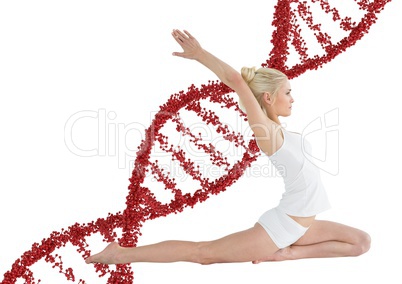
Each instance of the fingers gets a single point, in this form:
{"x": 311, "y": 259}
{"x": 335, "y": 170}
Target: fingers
{"x": 191, "y": 47}
{"x": 179, "y": 39}
{"x": 188, "y": 34}
{"x": 179, "y": 36}
{"x": 180, "y": 54}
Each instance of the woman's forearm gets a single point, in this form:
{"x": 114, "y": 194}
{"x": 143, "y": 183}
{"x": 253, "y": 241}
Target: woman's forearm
{"x": 227, "y": 74}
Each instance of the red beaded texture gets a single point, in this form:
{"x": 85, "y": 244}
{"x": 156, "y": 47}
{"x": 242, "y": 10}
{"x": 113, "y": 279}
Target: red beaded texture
{"x": 141, "y": 203}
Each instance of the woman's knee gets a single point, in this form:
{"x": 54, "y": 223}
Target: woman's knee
{"x": 204, "y": 253}
{"x": 362, "y": 244}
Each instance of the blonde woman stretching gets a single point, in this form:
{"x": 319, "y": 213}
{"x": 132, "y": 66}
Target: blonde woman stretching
{"x": 288, "y": 231}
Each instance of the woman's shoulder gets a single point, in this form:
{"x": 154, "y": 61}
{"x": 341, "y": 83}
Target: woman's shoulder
{"x": 272, "y": 144}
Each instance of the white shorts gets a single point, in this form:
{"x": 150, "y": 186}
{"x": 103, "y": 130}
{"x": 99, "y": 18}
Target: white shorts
{"x": 282, "y": 229}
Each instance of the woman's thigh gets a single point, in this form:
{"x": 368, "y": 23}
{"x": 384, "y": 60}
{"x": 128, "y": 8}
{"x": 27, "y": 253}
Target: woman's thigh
{"x": 322, "y": 231}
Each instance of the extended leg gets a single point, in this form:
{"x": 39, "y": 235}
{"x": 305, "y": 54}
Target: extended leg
{"x": 244, "y": 246}
{"x": 325, "y": 239}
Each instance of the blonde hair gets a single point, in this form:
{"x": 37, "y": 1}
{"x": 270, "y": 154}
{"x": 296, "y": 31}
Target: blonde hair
{"x": 262, "y": 80}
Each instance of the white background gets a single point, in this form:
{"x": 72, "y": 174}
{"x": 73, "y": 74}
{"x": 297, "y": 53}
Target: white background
{"x": 58, "y": 58}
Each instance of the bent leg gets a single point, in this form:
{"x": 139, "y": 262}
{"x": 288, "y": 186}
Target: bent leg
{"x": 325, "y": 239}
{"x": 244, "y": 246}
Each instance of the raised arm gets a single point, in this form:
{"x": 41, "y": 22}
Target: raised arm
{"x": 264, "y": 129}
{"x": 193, "y": 50}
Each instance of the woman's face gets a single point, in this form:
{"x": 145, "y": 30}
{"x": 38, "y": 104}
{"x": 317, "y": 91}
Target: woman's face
{"x": 282, "y": 104}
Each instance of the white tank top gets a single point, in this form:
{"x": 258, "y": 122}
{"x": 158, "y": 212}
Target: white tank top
{"x": 304, "y": 194}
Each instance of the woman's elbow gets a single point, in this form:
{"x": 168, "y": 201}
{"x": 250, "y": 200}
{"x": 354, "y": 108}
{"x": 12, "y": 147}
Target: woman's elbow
{"x": 235, "y": 80}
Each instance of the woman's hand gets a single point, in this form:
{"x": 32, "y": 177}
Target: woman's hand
{"x": 191, "y": 47}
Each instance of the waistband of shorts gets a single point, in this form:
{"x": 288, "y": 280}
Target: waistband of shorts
{"x": 292, "y": 220}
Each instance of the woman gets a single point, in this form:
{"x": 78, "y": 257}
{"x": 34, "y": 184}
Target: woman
{"x": 286, "y": 232}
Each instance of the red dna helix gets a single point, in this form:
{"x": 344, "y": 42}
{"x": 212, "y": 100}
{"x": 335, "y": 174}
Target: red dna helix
{"x": 290, "y": 54}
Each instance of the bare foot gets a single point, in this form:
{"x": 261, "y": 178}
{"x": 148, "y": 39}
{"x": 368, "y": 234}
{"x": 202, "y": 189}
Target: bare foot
{"x": 280, "y": 255}
{"x": 108, "y": 256}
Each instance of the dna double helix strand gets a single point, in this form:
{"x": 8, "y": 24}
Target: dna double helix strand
{"x": 290, "y": 54}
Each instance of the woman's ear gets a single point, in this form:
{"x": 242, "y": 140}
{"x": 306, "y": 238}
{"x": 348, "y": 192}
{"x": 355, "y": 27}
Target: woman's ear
{"x": 267, "y": 98}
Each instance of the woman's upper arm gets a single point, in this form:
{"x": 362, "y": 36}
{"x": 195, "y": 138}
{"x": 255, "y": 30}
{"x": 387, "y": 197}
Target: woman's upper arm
{"x": 255, "y": 115}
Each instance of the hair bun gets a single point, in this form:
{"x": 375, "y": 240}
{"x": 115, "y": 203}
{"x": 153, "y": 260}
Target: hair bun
{"x": 248, "y": 73}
